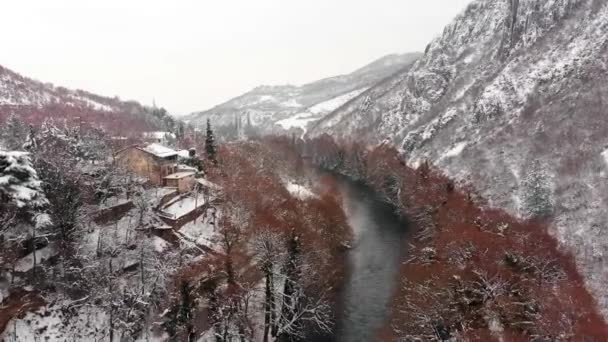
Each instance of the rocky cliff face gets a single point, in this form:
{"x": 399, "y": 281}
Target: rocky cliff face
{"x": 268, "y": 109}
{"x": 508, "y": 86}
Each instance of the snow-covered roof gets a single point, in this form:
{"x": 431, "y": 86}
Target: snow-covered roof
{"x": 183, "y": 153}
{"x": 208, "y": 184}
{"x": 180, "y": 175}
{"x": 159, "y": 150}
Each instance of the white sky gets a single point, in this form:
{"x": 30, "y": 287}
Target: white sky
{"x": 193, "y": 54}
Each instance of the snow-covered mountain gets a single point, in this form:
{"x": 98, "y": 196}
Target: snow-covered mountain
{"x": 508, "y": 83}
{"x": 288, "y": 107}
{"x": 34, "y": 101}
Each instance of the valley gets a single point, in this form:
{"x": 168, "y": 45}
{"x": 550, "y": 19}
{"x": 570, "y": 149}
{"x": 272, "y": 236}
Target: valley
{"x": 458, "y": 194}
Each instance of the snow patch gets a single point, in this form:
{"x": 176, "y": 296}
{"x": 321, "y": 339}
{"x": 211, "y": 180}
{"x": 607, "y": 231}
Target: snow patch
{"x": 293, "y": 103}
{"x": 456, "y": 150}
{"x": 605, "y": 155}
{"x": 300, "y": 120}
{"x": 335, "y": 103}
{"x": 299, "y": 191}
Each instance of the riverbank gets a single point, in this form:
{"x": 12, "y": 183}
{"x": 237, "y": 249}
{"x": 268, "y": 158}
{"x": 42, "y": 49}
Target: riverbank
{"x": 472, "y": 272}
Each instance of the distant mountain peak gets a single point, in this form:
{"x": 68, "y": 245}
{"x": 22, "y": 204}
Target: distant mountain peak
{"x": 266, "y": 108}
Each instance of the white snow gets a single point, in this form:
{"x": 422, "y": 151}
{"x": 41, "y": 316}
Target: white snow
{"x": 184, "y": 205}
{"x": 292, "y": 103}
{"x": 605, "y": 155}
{"x": 183, "y": 154}
{"x": 49, "y": 324}
{"x": 180, "y": 175}
{"x": 207, "y": 184}
{"x": 158, "y": 135}
{"x": 160, "y": 150}
{"x": 300, "y": 120}
{"x": 316, "y": 112}
{"x": 267, "y": 98}
{"x": 43, "y": 221}
{"x": 159, "y": 244}
{"x": 27, "y": 263}
{"x": 202, "y": 231}
{"x": 456, "y": 150}
{"x": 93, "y": 104}
{"x": 22, "y": 192}
{"x": 298, "y": 191}
{"x": 336, "y": 102}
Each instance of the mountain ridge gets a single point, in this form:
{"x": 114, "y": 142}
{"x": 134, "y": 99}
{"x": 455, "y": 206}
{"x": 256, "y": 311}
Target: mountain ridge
{"x": 34, "y": 101}
{"x": 507, "y": 85}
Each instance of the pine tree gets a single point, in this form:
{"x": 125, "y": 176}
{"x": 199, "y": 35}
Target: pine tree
{"x": 210, "y": 144}
{"x": 19, "y": 183}
{"x": 14, "y": 133}
{"x": 536, "y": 193}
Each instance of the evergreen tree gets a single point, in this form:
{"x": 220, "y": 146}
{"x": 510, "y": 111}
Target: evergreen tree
{"x": 210, "y": 144}
{"x": 14, "y": 133}
{"x": 19, "y": 182}
{"x": 536, "y": 193}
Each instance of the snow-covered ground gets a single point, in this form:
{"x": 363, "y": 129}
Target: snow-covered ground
{"x": 300, "y": 120}
{"x": 27, "y": 263}
{"x": 335, "y": 103}
{"x": 316, "y": 112}
{"x": 298, "y": 191}
{"x": 202, "y": 231}
{"x": 184, "y": 205}
{"x": 50, "y": 324}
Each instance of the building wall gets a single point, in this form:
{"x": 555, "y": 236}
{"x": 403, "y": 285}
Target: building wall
{"x": 186, "y": 184}
{"x": 145, "y": 165}
{"x": 172, "y": 183}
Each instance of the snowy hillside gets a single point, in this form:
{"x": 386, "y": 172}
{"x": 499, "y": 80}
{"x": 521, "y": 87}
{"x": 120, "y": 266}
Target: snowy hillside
{"x": 318, "y": 111}
{"x": 508, "y": 83}
{"x": 268, "y": 109}
{"x": 34, "y": 101}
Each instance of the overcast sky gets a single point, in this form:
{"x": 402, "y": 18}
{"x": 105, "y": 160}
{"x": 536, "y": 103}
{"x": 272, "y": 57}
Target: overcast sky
{"x": 190, "y": 55}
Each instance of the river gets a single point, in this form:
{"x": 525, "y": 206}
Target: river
{"x": 373, "y": 264}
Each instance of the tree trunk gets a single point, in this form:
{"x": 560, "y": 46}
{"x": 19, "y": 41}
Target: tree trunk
{"x": 267, "y": 308}
{"x": 34, "y": 251}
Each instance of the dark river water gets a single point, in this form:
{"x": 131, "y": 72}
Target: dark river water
{"x": 373, "y": 264}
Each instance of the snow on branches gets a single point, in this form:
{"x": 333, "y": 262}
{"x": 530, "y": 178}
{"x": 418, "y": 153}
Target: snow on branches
{"x": 19, "y": 183}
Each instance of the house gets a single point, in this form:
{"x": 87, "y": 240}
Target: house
{"x": 154, "y": 161}
{"x": 183, "y": 181}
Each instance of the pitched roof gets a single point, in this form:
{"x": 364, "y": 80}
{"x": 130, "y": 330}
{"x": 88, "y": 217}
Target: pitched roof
{"x": 159, "y": 150}
{"x": 180, "y": 175}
